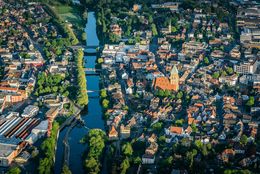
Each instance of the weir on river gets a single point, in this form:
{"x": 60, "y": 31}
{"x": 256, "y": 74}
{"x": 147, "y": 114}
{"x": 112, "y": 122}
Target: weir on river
{"x": 92, "y": 119}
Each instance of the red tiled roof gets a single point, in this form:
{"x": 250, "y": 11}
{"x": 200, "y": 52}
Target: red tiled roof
{"x": 176, "y": 130}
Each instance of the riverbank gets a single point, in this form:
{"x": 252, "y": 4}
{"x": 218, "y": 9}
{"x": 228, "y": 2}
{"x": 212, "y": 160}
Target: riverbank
{"x": 48, "y": 148}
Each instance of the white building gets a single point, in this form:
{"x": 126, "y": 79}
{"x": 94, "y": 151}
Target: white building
{"x": 246, "y": 67}
{"x": 30, "y": 111}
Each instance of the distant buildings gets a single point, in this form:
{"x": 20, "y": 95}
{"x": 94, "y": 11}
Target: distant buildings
{"x": 173, "y": 6}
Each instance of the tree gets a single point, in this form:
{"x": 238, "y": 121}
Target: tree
{"x": 172, "y": 96}
{"x": 165, "y": 164}
{"x": 137, "y": 160}
{"x": 127, "y": 149}
{"x": 96, "y": 141}
{"x": 229, "y": 70}
{"x": 243, "y": 140}
{"x": 179, "y": 122}
{"x": 100, "y": 60}
{"x": 167, "y": 93}
{"x": 206, "y": 61}
{"x": 14, "y": 170}
{"x": 103, "y": 93}
{"x": 216, "y": 75}
{"x": 223, "y": 73}
{"x": 84, "y": 36}
{"x": 124, "y": 166}
{"x": 154, "y": 30}
{"x": 174, "y": 29}
{"x": 157, "y": 127}
{"x": 113, "y": 38}
{"x": 82, "y": 96}
{"x": 105, "y": 103}
{"x": 194, "y": 127}
{"x": 179, "y": 95}
{"x": 160, "y": 93}
{"x": 48, "y": 151}
{"x": 66, "y": 170}
{"x": 251, "y": 101}
{"x": 230, "y": 171}
{"x": 92, "y": 165}
{"x": 150, "y": 19}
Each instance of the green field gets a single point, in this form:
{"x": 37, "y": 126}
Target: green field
{"x": 69, "y": 14}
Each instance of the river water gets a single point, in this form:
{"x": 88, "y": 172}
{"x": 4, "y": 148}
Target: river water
{"x": 93, "y": 118}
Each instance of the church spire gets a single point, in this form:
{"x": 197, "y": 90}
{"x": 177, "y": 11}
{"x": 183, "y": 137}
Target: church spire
{"x": 174, "y": 78}
{"x": 174, "y": 70}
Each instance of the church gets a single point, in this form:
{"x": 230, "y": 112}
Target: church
{"x": 165, "y": 83}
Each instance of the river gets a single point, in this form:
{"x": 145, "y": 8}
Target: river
{"x": 93, "y": 118}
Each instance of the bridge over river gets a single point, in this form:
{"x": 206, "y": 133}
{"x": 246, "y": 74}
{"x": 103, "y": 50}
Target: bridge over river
{"x": 90, "y": 49}
{"x": 92, "y": 71}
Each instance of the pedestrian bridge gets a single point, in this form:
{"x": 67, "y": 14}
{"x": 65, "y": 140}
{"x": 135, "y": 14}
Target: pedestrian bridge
{"x": 92, "y": 71}
{"x": 88, "y": 49}
{"x": 91, "y": 91}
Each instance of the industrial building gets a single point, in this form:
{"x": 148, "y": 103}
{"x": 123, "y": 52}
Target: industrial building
{"x": 14, "y": 131}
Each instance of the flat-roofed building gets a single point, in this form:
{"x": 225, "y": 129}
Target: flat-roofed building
{"x": 246, "y": 67}
{"x": 30, "y": 111}
{"x": 9, "y": 149}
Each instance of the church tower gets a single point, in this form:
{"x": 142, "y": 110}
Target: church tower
{"x": 174, "y": 78}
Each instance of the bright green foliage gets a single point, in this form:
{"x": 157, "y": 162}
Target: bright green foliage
{"x": 154, "y": 30}
{"x": 14, "y": 170}
{"x": 137, "y": 160}
{"x": 229, "y": 70}
{"x": 179, "y": 122}
{"x": 84, "y": 36}
{"x": 230, "y": 171}
{"x": 105, "y": 103}
{"x": 124, "y": 166}
{"x": 243, "y": 140}
{"x": 113, "y": 38}
{"x": 206, "y": 60}
{"x": 127, "y": 149}
{"x": 179, "y": 95}
{"x": 157, "y": 126}
{"x": 66, "y": 170}
{"x": 48, "y": 83}
{"x": 103, "y": 93}
{"x": 100, "y": 60}
{"x": 92, "y": 165}
{"x": 216, "y": 75}
{"x": 48, "y": 149}
{"x": 223, "y": 73}
{"x": 96, "y": 141}
{"x": 251, "y": 101}
{"x": 82, "y": 96}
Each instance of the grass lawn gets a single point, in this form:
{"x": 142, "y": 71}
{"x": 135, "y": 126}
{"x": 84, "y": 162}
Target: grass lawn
{"x": 72, "y": 15}
{"x": 69, "y": 14}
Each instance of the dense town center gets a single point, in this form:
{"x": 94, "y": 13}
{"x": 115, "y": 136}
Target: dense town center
{"x": 141, "y": 86}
